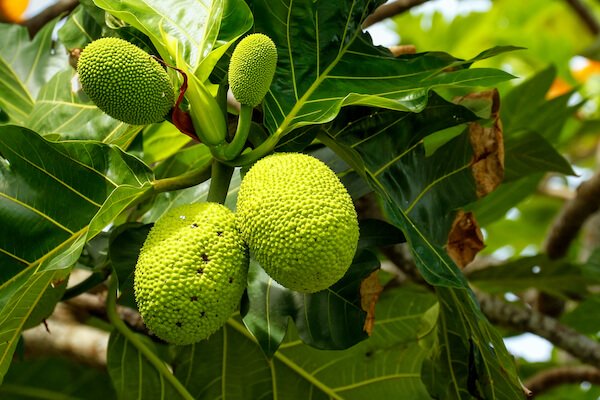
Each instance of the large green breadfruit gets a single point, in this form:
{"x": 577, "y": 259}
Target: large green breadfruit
{"x": 191, "y": 273}
{"x": 298, "y": 221}
{"x": 251, "y": 68}
{"x": 125, "y": 82}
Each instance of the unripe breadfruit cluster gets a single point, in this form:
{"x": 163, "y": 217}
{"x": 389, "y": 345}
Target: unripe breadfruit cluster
{"x": 298, "y": 220}
{"x": 125, "y": 82}
{"x": 252, "y": 68}
{"x": 191, "y": 273}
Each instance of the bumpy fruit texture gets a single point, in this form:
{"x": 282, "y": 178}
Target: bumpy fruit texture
{"x": 125, "y": 82}
{"x": 251, "y": 68}
{"x": 298, "y": 220}
{"x": 191, "y": 273}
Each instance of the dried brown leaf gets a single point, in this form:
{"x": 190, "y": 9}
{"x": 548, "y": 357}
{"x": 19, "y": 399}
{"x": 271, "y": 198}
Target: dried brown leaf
{"x": 487, "y": 143}
{"x": 465, "y": 239}
{"x": 370, "y": 289}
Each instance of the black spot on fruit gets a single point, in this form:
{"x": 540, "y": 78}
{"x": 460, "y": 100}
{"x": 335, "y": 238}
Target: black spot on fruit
{"x": 194, "y": 225}
{"x": 204, "y": 257}
{"x": 231, "y": 279}
{"x": 194, "y": 298}
{"x": 178, "y": 324}
{"x": 203, "y": 313}
{"x": 219, "y": 233}
{"x": 200, "y": 271}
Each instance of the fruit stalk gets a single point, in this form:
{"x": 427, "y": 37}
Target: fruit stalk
{"x": 219, "y": 182}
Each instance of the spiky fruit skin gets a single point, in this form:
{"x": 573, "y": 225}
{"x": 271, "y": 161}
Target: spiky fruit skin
{"x": 125, "y": 82}
{"x": 252, "y": 68}
{"x": 298, "y": 221}
{"x": 191, "y": 273}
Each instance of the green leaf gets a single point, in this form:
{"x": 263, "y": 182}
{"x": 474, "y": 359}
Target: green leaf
{"x": 525, "y": 108}
{"x": 16, "y": 102}
{"x": 125, "y": 244}
{"x": 559, "y": 278}
{"x": 325, "y": 61}
{"x": 530, "y": 153}
{"x": 506, "y": 196}
{"x": 331, "y": 319}
{"x": 231, "y": 365}
{"x": 584, "y": 317}
{"x": 55, "y": 378}
{"x": 420, "y": 194}
{"x": 427, "y": 187}
{"x": 133, "y": 376}
{"x": 35, "y": 61}
{"x": 526, "y": 96}
{"x": 39, "y": 180}
{"x": 195, "y": 25}
{"x": 81, "y": 27}
{"x": 24, "y": 67}
{"x": 375, "y": 233}
{"x": 162, "y": 141}
{"x": 71, "y": 115}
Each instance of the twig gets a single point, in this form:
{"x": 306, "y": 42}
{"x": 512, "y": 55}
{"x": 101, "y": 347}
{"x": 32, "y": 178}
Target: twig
{"x": 528, "y": 320}
{"x": 550, "y": 378}
{"x": 34, "y": 24}
{"x": 585, "y": 15}
{"x": 572, "y": 216}
{"x": 388, "y": 10}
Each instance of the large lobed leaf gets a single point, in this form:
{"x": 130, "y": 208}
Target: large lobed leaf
{"x": 231, "y": 365}
{"x": 53, "y": 197}
{"x": 325, "y": 61}
{"x": 25, "y": 66}
{"x": 421, "y": 194}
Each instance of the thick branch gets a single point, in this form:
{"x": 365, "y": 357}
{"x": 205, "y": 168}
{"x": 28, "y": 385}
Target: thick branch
{"x": 550, "y": 378}
{"x": 573, "y": 215}
{"x": 95, "y": 304}
{"x": 529, "y": 320}
{"x": 36, "y": 23}
{"x": 389, "y": 10}
{"x": 79, "y": 342}
{"x": 585, "y": 15}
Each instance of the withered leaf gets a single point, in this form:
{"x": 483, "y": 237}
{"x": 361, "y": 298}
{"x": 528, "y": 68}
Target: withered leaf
{"x": 370, "y": 289}
{"x": 465, "y": 239}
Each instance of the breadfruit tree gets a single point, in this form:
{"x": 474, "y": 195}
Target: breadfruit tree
{"x": 247, "y": 199}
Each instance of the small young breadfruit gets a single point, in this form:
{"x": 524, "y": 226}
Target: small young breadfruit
{"x": 251, "y": 68}
{"x": 191, "y": 273}
{"x": 298, "y": 220}
{"x": 125, "y": 82}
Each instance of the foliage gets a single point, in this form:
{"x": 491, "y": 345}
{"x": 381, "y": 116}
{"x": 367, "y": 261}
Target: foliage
{"x": 80, "y": 190}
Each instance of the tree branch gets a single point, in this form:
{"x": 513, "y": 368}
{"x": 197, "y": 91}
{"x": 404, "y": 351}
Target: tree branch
{"x": 550, "y": 378}
{"x": 391, "y": 9}
{"x": 585, "y": 15}
{"x": 572, "y": 216}
{"x": 79, "y": 342}
{"x": 528, "y": 320}
{"x": 35, "y": 23}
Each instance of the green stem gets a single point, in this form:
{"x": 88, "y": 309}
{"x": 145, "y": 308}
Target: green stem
{"x": 219, "y": 182}
{"x": 183, "y": 181}
{"x": 249, "y": 157}
{"x": 236, "y": 146}
{"x": 96, "y": 278}
{"x": 160, "y": 365}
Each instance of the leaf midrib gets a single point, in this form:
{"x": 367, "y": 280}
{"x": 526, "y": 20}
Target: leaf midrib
{"x": 289, "y": 363}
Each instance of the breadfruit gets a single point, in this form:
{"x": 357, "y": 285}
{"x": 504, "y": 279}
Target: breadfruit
{"x": 298, "y": 220}
{"x": 191, "y": 273}
{"x": 251, "y": 68}
{"x": 125, "y": 82}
